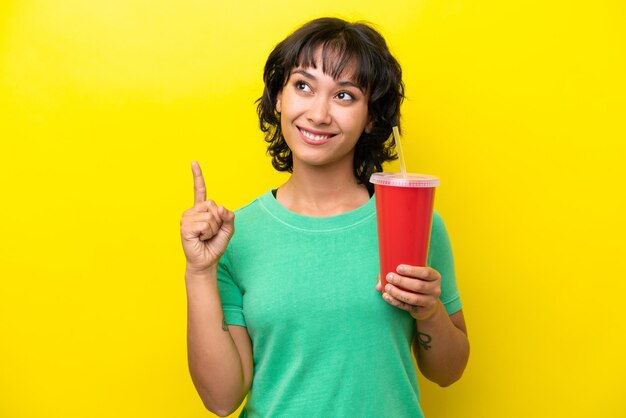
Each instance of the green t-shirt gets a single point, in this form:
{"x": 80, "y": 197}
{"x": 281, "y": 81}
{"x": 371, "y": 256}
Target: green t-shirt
{"x": 325, "y": 343}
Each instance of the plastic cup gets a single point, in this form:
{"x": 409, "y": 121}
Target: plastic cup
{"x": 404, "y": 213}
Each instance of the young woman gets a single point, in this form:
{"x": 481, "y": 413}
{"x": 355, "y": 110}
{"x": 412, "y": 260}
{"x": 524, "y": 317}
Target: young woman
{"x": 288, "y": 311}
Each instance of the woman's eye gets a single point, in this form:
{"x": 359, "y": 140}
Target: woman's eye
{"x": 345, "y": 96}
{"x": 301, "y": 85}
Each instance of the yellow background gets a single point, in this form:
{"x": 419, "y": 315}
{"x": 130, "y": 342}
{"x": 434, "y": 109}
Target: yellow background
{"x": 519, "y": 107}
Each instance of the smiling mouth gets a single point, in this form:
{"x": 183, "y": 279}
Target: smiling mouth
{"x": 315, "y": 137}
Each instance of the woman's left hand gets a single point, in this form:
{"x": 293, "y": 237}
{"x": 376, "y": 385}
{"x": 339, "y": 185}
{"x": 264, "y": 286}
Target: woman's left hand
{"x": 413, "y": 289}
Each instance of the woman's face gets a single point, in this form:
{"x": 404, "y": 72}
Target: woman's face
{"x": 322, "y": 117}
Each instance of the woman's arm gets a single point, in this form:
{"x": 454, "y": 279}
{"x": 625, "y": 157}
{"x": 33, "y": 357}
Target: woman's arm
{"x": 440, "y": 344}
{"x": 220, "y": 356}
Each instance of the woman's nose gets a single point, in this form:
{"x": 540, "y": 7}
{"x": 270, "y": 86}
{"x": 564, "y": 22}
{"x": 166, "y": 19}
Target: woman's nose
{"x": 319, "y": 112}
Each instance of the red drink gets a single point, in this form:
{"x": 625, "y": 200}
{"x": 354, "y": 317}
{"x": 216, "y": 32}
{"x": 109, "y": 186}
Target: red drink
{"x": 404, "y": 211}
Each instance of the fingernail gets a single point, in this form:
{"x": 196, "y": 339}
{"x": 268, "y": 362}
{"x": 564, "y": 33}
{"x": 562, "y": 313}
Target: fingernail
{"x": 390, "y": 277}
{"x": 388, "y": 288}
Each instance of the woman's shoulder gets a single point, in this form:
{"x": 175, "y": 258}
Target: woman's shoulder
{"x": 438, "y": 222}
{"x": 438, "y": 233}
{"x": 252, "y": 212}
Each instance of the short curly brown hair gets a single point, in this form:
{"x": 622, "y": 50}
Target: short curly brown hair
{"x": 377, "y": 72}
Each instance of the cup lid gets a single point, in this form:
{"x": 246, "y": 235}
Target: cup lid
{"x": 410, "y": 180}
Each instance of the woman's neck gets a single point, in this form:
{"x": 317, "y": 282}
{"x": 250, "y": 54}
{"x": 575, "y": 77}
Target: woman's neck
{"x": 322, "y": 192}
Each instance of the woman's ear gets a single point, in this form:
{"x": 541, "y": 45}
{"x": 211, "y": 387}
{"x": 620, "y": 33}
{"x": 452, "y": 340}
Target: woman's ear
{"x": 278, "y": 103}
{"x": 369, "y": 126}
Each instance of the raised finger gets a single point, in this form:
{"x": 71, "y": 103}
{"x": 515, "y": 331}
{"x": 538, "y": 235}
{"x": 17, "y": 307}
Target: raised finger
{"x": 199, "y": 188}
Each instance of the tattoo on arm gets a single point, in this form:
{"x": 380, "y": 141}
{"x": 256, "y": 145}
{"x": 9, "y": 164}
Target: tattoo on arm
{"x": 424, "y": 340}
{"x": 224, "y": 325}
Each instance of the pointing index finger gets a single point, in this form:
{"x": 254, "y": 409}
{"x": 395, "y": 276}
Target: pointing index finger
{"x": 199, "y": 188}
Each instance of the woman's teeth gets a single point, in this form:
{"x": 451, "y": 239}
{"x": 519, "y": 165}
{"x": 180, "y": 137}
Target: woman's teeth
{"x": 314, "y": 137}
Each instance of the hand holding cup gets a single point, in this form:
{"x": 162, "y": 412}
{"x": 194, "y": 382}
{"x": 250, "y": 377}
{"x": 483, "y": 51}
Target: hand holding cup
{"x": 413, "y": 289}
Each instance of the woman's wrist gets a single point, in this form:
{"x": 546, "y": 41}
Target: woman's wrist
{"x": 194, "y": 274}
{"x": 433, "y": 317}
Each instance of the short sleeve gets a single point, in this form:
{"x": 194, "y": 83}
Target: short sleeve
{"x": 440, "y": 258}
{"x": 230, "y": 293}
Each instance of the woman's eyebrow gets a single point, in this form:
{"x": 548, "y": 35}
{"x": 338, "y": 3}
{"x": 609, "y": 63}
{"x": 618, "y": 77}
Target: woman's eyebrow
{"x": 304, "y": 73}
{"x": 349, "y": 84}
{"x": 342, "y": 83}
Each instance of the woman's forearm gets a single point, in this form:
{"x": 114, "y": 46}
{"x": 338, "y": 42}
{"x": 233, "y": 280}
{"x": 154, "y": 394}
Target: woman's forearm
{"x": 441, "y": 346}
{"x": 220, "y": 375}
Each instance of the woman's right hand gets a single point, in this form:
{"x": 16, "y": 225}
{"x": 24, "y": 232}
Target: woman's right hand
{"x": 205, "y": 229}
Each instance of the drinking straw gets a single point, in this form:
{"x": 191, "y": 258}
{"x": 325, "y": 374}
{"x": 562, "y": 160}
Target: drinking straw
{"x": 398, "y": 141}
